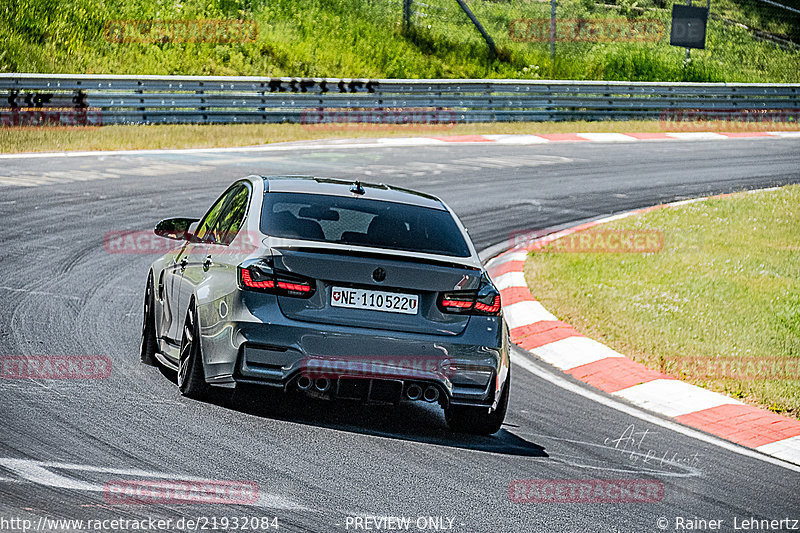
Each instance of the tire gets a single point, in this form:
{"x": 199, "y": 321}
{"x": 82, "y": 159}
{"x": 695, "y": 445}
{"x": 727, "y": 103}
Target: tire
{"x": 149, "y": 345}
{"x": 478, "y": 420}
{"x": 191, "y": 376}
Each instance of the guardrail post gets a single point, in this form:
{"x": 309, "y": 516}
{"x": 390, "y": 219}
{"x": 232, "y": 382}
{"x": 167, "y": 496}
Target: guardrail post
{"x": 202, "y": 109}
{"x": 489, "y": 92}
{"x": 263, "y": 107}
{"x": 142, "y": 109}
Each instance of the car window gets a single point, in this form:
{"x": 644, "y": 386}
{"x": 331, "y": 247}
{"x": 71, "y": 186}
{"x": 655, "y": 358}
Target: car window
{"x": 204, "y": 227}
{"x": 231, "y": 215}
{"x": 214, "y": 226}
{"x": 359, "y": 221}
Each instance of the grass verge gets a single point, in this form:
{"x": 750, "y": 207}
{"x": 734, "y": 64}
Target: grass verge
{"x": 720, "y": 299}
{"x": 36, "y": 139}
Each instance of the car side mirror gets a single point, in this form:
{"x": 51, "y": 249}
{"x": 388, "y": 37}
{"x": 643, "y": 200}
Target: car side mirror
{"x": 175, "y": 228}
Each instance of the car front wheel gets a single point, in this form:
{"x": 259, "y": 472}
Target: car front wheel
{"x": 147, "y": 350}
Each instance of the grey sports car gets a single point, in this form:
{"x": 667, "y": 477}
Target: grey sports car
{"x": 336, "y": 289}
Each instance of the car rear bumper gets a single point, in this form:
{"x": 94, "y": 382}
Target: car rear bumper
{"x": 463, "y": 371}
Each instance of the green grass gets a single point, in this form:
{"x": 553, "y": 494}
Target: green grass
{"x": 364, "y": 38}
{"x": 725, "y": 285}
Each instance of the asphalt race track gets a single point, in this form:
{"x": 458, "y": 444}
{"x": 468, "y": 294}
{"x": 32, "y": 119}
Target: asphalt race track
{"x": 315, "y": 466}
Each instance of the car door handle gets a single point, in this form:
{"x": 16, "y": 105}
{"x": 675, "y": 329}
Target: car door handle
{"x": 184, "y": 262}
{"x": 207, "y": 263}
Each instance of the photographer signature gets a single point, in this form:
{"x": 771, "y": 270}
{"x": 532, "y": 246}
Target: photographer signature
{"x": 630, "y": 443}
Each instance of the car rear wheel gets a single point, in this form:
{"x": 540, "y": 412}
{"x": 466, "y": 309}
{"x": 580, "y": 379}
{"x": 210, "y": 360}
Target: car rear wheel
{"x": 478, "y": 420}
{"x": 147, "y": 350}
{"x": 191, "y": 376}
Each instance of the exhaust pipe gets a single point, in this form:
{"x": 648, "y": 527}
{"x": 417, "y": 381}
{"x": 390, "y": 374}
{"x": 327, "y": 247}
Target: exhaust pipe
{"x": 304, "y": 383}
{"x": 414, "y": 392}
{"x": 322, "y": 384}
{"x": 431, "y": 394}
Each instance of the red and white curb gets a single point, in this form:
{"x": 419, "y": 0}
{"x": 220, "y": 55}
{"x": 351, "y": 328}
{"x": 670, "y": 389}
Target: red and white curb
{"x": 535, "y": 329}
{"x": 399, "y": 142}
{"x": 583, "y": 137}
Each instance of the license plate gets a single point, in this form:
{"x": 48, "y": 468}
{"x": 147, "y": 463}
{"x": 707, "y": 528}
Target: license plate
{"x": 390, "y": 302}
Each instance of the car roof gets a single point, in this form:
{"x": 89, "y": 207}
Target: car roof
{"x": 339, "y": 187}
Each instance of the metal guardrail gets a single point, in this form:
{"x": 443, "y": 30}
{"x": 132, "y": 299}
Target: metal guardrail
{"x": 217, "y": 99}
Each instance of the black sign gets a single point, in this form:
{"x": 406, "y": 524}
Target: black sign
{"x": 688, "y": 26}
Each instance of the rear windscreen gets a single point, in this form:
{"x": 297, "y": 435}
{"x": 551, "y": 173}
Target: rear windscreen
{"x": 362, "y": 222}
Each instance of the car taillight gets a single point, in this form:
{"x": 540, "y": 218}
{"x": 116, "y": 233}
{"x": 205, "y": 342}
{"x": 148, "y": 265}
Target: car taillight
{"x": 249, "y": 283}
{"x": 483, "y": 302}
{"x": 489, "y": 308}
{"x": 261, "y": 277}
